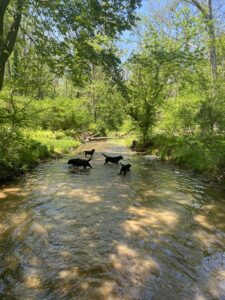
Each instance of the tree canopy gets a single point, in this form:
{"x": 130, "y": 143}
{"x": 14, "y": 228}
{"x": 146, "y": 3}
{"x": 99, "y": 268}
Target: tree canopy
{"x": 69, "y": 35}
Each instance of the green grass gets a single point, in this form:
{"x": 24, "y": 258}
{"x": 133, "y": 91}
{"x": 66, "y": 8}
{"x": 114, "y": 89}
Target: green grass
{"x": 26, "y": 149}
{"x": 56, "y": 142}
{"x": 201, "y": 153}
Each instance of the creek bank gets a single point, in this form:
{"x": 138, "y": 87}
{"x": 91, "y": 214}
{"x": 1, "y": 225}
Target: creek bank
{"x": 208, "y": 171}
{"x": 10, "y": 173}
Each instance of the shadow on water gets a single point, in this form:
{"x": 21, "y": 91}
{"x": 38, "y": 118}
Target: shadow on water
{"x": 152, "y": 234}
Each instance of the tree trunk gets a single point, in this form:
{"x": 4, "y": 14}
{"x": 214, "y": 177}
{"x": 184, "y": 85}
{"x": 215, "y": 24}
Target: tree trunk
{"x": 213, "y": 58}
{"x": 2, "y": 72}
{"x": 208, "y": 15}
{"x": 7, "y": 44}
{"x": 15, "y": 63}
{"x": 9, "y": 69}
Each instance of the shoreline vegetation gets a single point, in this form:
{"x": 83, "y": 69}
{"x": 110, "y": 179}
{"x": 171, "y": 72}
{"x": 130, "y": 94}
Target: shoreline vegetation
{"x": 168, "y": 93}
{"x": 202, "y": 156}
{"x": 37, "y": 147}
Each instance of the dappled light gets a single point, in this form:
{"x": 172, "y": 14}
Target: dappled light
{"x": 145, "y": 219}
{"x": 112, "y": 150}
{"x": 69, "y": 274}
{"x": 13, "y": 192}
{"x": 133, "y": 263}
{"x": 203, "y": 221}
{"x": 20, "y": 218}
{"x": 87, "y": 196}
{"x": 33, "y": 281}
{"x": 97, "y": 235}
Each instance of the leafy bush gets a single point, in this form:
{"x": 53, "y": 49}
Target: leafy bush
{"x": 22, "y": 153}
{"x": 201, "y": 153}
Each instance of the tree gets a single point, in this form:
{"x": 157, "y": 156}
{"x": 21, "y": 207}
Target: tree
{"x": 104, "y": 101}
{"x": 152, "y": 71}
{"x": 195, "y": 26}
{"x": 207, "y": 12}
{"x": 8, "y": 39}
{"x": 64, "y": 32}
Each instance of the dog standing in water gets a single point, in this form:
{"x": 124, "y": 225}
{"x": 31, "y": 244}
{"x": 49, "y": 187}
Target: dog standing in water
{"x": 124, "y": 169}
{"x": 114, "y": 160}
{"x": 87, "y": 152}
{"x": 78, "y": 162}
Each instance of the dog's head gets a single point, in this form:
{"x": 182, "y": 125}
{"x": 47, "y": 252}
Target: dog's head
{"x": 120, "y": 157}
{"x": 70, "y": 161}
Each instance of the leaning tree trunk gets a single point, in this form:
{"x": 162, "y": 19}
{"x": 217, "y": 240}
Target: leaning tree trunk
{"x": 8, "y": 40}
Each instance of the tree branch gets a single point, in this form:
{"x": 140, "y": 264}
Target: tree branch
{"x": 199, "y": 6}
{"x": 12, "y": 34}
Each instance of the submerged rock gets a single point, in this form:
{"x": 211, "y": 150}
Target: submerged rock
{"x": 152, "y": 157}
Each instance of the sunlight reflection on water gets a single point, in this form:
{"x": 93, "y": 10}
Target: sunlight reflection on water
{"x": 148, "y": 235}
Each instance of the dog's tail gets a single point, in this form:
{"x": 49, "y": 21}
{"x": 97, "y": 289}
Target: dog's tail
{"x": 122, "y": 164}
{"x": 89, "y": 159}
{"x": 104, "y": 155}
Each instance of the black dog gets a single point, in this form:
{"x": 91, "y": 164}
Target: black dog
{"x": 86, "y": 152}
{"x": 79, "y": 162}
{"x": 124, "y": 169}
{"x": 111, "y": 159}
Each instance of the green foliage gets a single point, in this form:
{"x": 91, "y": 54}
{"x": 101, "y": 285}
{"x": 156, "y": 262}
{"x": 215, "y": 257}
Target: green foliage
{"x": 179, "y": 114}
{"x": 68, "y": 35}
{"x": 29, "y": 74}
{"x": 153, "y": 71}
{"x": 62, "y": 114}
{"x": 104, "y": 102}
{"x": 18, "y": 153}
{"x": 127, "y": 126}
{"x": 201, "y": 153}
{"x": 63, "y": 81}
{"x": 56, "y": 141}
{"x": 20, "y": 147}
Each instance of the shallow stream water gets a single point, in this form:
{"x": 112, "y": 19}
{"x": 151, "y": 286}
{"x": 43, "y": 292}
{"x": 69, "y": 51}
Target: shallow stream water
{"x": 68, "y": 233}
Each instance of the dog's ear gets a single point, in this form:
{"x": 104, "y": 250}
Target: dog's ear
{"x": 90, "y": 159}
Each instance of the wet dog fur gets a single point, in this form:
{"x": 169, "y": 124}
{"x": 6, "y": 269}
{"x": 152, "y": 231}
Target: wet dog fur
{"x": 78, "y": 162}
{"x": 114, "y": 160}
{"x": 124, "y": 169}
{"x": 87, "y": 152}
